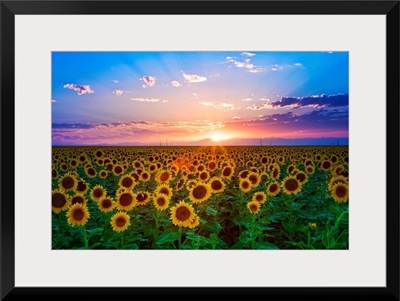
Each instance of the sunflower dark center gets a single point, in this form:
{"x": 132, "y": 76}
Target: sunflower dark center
{"x": 341, "y": 191}
{"x": 58, "y": 200}
{"x": 164, "y": 191}
{"x": 145, "y": 176}
{"x": 291, "y": 168}
{"x": 244, "y": 174}
{"x": 253, "y": 179}
{"x": 181, "y": 182}
{"x": 77, "y": 199}
{"x": 54, "y": 173}
{"x": 199, "y": 192}
{"x": 301, "y": 177}
{"x": 127, "y": 182}
{"x": 275, "y": 173}
{"x": 141, "y": 197}
{"x": 120, "y": 222}
{"x": 82, "y": 158}
{"x": 203, "y": 176}
{"x": 78, "y": 214}
{"x": 68, "y": 182}
{"x": 227, "y": 172}
{"x": 273, "y": 188}
{"x": 182, "y": 214}
{"x": 259, "y": 197}
{"x": 118, "y": 169}
{"x": 106, "y": 203}
{"x": 98, "y": 192}
{"x": 161, "y": 201}
{"x": 164, "y": 176}
{"x": 73, "y": 163}
{"x": 245, "y": 185}
{"x": 99, "y": 154}
{"x": 216, "y": 185}
{"x": 253, "y": 208}
{"x": 81, "y": 186}
{"x": 291, "y": 184}
{"x": 125, "y": 199}
{"x": 91, "y": 171}
{"x": 211, "y": 165}
{"x": 326, "y": 164}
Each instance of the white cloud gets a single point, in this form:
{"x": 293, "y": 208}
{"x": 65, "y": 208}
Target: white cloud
{"x": 81, "y": 89}
{"x": 176, "y": 83}
{"x": 140, "y": 99}
{"x": 193, "y": 78}
{"x": 149, "y": 81}
{"x": 246, "y": 65}
{"x": 115, "y": 81}
{"x": 260, "y": 107}
{"x": 53, "y": 100}
{"x": 247, "y": 99}
{"x": 118, "y": 92}
{"x": 217, "y": 104}
{"x": 298, "y": 65}
{"x": 236, "y": 117}
{"x": 248, "y": 54}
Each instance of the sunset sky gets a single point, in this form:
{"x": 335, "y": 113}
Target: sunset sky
{"x": 199, "y": 98}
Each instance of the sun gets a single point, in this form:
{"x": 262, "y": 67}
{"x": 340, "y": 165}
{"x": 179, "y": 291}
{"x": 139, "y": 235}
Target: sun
{"x": 216, "y": 138}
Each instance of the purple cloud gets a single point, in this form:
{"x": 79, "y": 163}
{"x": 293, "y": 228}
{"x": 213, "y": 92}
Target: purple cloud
{"x": 316, "y": 101}
{"x": 81, "y": 89}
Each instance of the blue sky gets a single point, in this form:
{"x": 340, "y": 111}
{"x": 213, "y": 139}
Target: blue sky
{"x": 144, "y": 97}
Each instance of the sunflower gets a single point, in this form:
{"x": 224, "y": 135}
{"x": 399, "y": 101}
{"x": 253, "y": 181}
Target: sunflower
{"x": 245, "y": 185}
{"x": 204, "y": 176}
{"x": 98, "y": 153}
{"x": 64, "y": 167}
{"x": 290, "y": 168}
{"x": 200, "y": 192}
{"x": 82, "y": 158}
{"x": 90, "y": 172}
{"x": 180, "y": 184}
{"x": 254, "y": 179}
{"x": 312, "y": 226}
{"x": 145, "y": 176}
{"x": 97, "y": 193}
{"x": 195, "y": 222}
{"x": 142, "y": 198}
{"x": 117, "y": 170}
{"x": 259, "y": 197}
{"x": 243, "y": 174}
{"x": 340, "y": 192}
{"x": 212, "y": 165}
{"x": 338, "y": 170}
{"x": 254, "y": 207}
{"x": 326, "y": 165}
{"x": 137, "y": 164}
{"x": 120, "y": 221}
{"x": 163, "y": 176}
{"x": 78, "y": 214}
{"x": 310, "y": 169}
{"x": 335, "y": 180}
{"x": 68, "y": 182}
{"x": 165, "y": 189}
{"x": 301, "y": 176}
{"x": 59, "y": 201}
{"x": 182, "y": 214}
{"x": 216, "y": 185}
{"x": 153, "y": 168}
{"x": 190, "y": 184}
{"x": 82, "y": 187}
{"x": 161, "y": 201}
{"x": 227, "y": 172}
{"x": 127, "y": 182}
{"x": 78, "y": 198}
{"x": 73, "y": 163}
{"x": 273, "y": 189}
{"x": 126, "y": 200}
{"x": 291, "y": 185}
{"x": 103, "y": 174}
{"x": 264, "y": 177}
{"x": 54, "y": 173}
{"x": 276, "y": 172}
{"x": 106, "y": 204}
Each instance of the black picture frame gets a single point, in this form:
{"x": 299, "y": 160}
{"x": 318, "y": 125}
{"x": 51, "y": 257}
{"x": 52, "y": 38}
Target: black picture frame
{"x": 9, "y": 9}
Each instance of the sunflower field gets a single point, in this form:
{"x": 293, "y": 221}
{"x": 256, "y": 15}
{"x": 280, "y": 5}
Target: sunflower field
{"x": 231, "y": 197}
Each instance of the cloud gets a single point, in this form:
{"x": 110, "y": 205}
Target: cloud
{"x": 278, "y": 67}
{"x": 193, "y": 78}
{"x": 260, "y": 107}
{"x": 81, "y": 89}
{"x": 149, "y": 81}
{"x": 246, "y": 64}
{"x": 53, "y": 100}
{"x": 316, "y": 101}
{"x": 247, "y": 99}
{"x": 248, "y": 54}
{"x": 176, "y": 83}
{"x": 236, "y": 117}
{"x": 118, "y": 92}
{"x": 217, "y": 104}
{"x": 115, "y": 81}
{"x": 148, "y": 99}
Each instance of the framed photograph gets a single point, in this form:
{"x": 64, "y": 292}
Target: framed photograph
{"x": 246, "y": 150}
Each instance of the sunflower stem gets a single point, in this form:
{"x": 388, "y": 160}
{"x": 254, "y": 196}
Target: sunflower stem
{"x": 85, "y": 239}
{"x": 123, "y": 240}
{"x": 253, "y": 238}
{"x": 180, "y": 238}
